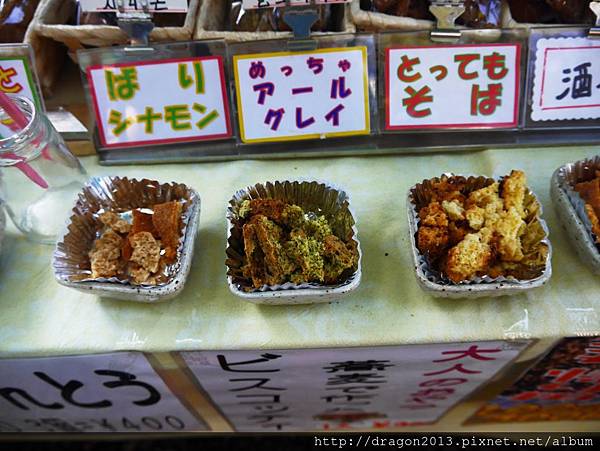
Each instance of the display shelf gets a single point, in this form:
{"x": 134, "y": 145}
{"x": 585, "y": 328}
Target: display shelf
{"x": 40, "y": 317}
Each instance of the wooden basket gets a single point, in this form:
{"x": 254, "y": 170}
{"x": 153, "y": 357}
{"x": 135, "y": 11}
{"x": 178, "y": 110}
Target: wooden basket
{"x": 75, "y": 37}
{"x": 213, "y": 15}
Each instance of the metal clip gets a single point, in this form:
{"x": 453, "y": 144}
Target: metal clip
{"x": 136, "y": 24}
{"x": 301, "y": 19}
{"x": 446, "y": 12}
{"x": 594, "y": 32}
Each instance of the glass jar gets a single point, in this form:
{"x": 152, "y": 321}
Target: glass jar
{"x": 39, "y": 177}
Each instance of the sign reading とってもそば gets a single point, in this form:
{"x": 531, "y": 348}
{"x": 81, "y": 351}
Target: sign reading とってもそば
{"x": 348, "y": 388}
{"x": 160, "y": 102}
{"x": 452, "y": 86}
{"x": 117, "y": 392}
{"x": 302, "y": 95}
{"x": 566, "y": 84}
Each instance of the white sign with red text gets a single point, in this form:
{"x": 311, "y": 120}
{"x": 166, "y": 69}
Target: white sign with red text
{"x": 348, "y": 388}
{"x": 300, "y": 95}
{"x": 566, "y": 82}
{"x": 154, "y": 6}
{"x": 160, "y": 102}
{"x": 118, "y": 392}
{"x": 253, "y": 4}
{"x": 452, "y": 86}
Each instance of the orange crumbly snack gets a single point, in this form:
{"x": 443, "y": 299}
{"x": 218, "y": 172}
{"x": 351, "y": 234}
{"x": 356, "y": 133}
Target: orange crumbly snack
{"x": 590, "y": 193}
{"x": 467, "y": 233}
{"x": 282, "y": 244}
{"x": 141, "y": 250}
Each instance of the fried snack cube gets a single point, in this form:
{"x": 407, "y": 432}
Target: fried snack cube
{"x": 139, "y": 275}
{"x": 271, "y": 208}
{"x": 594, "y": 220}
{"x": 509, "y": 229}
{"x": 269, "y": 237}
{"x": 513, "y": 191}
{"x": 306, "y": 252}
{"x": 112, "y": 220}
{"x": 143, "y": 222}
{"x": 484, "y": 196}
{"x": 167, "y": 222}
{"x": 338, "y": 257}
{"x": 433, "y": 215}
{"x": 590, "y": 192}
{"x": 104, "y": 258}
{"x": 432, "y": 241}
{"x": 468, "y": 258}
{"x": 146, "y": 251}
{"x": 476, "y": 217}
{"x": 454, "y": 210}
{"x": 255, "y": 263}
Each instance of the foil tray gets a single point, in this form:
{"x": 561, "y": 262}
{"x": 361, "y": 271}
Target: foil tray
{"x": 318, "y": 197}
{"x": 71, "y": 261}
{"x": 2, "y": 225}
{"x": 569, "y": 207}
{"x": 480, "y": 287}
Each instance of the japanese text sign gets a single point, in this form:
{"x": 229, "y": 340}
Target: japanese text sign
{"x": 563, "y": 386}
{"x": 452, "y": 86}
{"x": 161, "y": 6}
{"x": 251, "y": 4}
{"x": 16, "y": 78}
{"x": 118, "y": 392}
{"x": 300, "y": 95}
{"x": 321, "y": 389}
{"x": 160, "y": 102}
{"x": 566, "y": 79}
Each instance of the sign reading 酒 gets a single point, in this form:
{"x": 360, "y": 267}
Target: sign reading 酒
{"x": 566, "y": 79}
{"x": 156, "y": 6}
{"x": 160, "y": 102}
{"x": 349, "y": 388}
{"x": 117, "y": 392}
{"x": 252, "y": 4}
{"x": 299, "y": 95}
{"x": 452, "y": 86}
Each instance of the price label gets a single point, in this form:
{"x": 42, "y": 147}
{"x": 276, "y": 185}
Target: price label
{"x": 566, "y": 83}
{"x": 349, "y": 388}
{"x": 253, "y": 4}
{"x": 300, "y": 95}
{"x": 158, "y": 6}
{"x": 132, "y": 109}
{"x": 117, "y": 392}
{"x": 452, "y": 86}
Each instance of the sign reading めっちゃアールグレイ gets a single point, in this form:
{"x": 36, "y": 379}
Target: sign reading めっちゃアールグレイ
{"x": 348, "y": 388}
{"x": 452, "y": 86}
{"x": 119, "y": 392}
{"x": 160, "y": 102}
{"x": 299, "y": 95}
{"x": 160, "y": 6}
{"x": 566, "y": 83}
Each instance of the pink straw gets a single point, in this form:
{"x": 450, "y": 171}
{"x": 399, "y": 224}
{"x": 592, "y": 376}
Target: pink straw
{"x": 21, "y": 122}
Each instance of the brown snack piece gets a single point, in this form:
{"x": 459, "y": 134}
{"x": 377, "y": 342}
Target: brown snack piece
{"x": 146, "y": 251}
{"x": 143, "y": 222}
{"x": 454, "y": 209}
{"x": 167, "y": 221}
{"x": 138, "y": 274}
{"x": 255, "y": 264}
{"x": 594, "y": 220}
{"x": 271, "y": 208}
{"x": 509, "y": 229}
{"x": 433, "y": 215}
{"x": 513, "y": 191}
{"x": 104, "y": 258}
{"x": 113, "y": 220}
{"x": 432, "y": 241}
{"x": 269, "y": 236}
{"x": 338, "y": 257}
{"x": 468, "y": 258}
{"x": 590, "y": 192}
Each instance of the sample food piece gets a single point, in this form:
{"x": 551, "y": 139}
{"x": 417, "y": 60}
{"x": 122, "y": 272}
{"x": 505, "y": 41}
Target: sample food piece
{"x": 467, "y": 230}
{"x": 552, "y": 11}
{"x": 284, "y": 244}
{"x": 271, "y": 19}
{"x": 590, "y": 193}
{"x": 141, "y": 250}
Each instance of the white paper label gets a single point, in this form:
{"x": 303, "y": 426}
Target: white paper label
{"x": 160, "y": 102}
{"x": 566, "y": 81}
{"x": 155, "y": 6}
{"x": 252, "y": 4}
{"x": 299, "y": 95}
{"x": 350, "y": 388}
{"x": 117, "y": 392}
{"x": 15, "y": 79}
{"x": 453, "y": 86}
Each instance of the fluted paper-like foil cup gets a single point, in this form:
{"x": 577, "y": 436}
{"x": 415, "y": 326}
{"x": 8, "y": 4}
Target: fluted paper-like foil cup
{"x": 314, "y": 197}
{"x": 434, "y": 283}
{"x": 71, "y": 262}
{"x": 570, "y": 208}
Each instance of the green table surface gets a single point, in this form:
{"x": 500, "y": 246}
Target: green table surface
{"x": 38, "y": 317}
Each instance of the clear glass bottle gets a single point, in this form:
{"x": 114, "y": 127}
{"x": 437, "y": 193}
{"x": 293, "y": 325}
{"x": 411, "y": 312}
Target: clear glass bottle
{"x": 39, "y": 176}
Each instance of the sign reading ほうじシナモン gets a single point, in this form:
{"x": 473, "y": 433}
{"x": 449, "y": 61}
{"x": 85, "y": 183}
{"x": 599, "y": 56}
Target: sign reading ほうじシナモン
{"x": 160, "y": 102}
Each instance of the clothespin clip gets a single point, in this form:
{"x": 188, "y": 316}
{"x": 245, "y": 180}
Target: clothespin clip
{"x": 136, "y": 24}
{"x": 594, "y": 32}
{"x": 446, "y": 12}
{"x": 301, "y": 19}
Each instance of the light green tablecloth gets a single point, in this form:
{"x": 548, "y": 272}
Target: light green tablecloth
{"x": 39, "y": 317}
